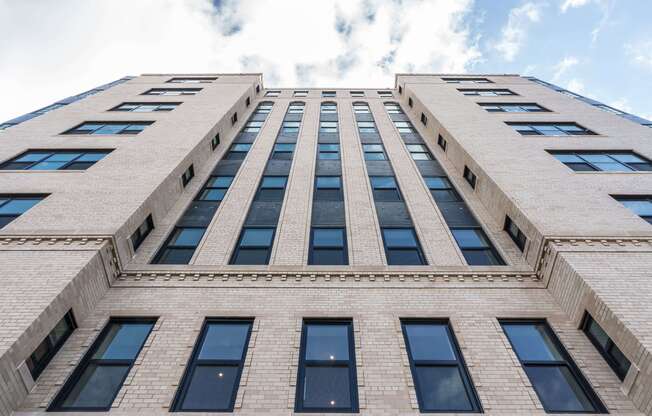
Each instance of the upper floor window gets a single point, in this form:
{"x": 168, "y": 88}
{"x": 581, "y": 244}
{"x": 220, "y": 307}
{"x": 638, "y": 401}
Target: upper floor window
{"x": 300, "y": 93}
{"x": 641, "y": 205}
{"x": 385, "y": 94}
{"x": 328, "y": 246}
{"x": 419, "y": 152}
{"x": 467, "y": 81}
{"x": 180, "y": 245}
{"x": 605, "y": 345}
{"x": 289, "y": 127}
{"x": 192, "y": 80}
{"x": 328, "y": 94}
{"x": 283, "y": 151}
{"x": 215, "y": 141}
{"x": 441, "y": 189}
{"x": 272, "y": 188}
{"x": 515, "y": 233}
{"x": 550, "y": 129}
{"x": 404, "y": 127}
{"x": 328, "y": 126}
{"x": 608, "y": 109}
{"x": 273, "y": 93}
{"x": 553, "y": 374}
{"x": 55, "y": 160}
{"x": 487, "y": 93}
{"x": 476, "y": 247}
{"x": 441, "y": 142}
{"x": 109, "y": 127}
{"x": 215, "y": 188}
{"x": 254, "y": 246}
{"x": 361, "y": 108}
{"x": 385, "y": 188}
{"x": 172, "y": 91}
{"x": 328, "y": 108}
{"x": 513, "y": 108}
{"x": 264, "y": 108}
{"x": 328, "y": 188}
{"x": 252, "y": 126}
{"x": 470, "y": 177}
{"x": 328, "y": 151}
{"x": 402, "y": 247}
{"x": 357, "y": 94}
{"x": 47, "y": 349}
{"x": 591, "y": 161}
{"x": 145, "y": 107}
{"x": 296, "y": 108}
{"x": 142, "y": 232}
{"x": 238, "y": 151}
{"x": 410, "y": 102}
{"x": 366, "y": 127}
{"x": 374, "y": 152}
{"x": 13, "y": 206}
{"x": 187, "y": 175}
{"x": 234, "y": 118}
{"x": 393, "y": 108}
{"x": 424, "y": 119}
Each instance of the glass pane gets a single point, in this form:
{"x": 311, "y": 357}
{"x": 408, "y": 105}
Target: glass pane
{"x": 257, "y": 237}
{"x": 329, "y": 147}
{"x": 224, "y": 341}
{"x": 327, "y": 342}
{"x": 558, "y": 390}
{"x": 383, "y": 182}
{"x": 86, "y": 127}
{"x": 220, "y": 182}
{"x": 328, "y": 257}
{"x": 47, "y": 166}
{"x": 416, "y": 148}
{"x": 470, "y": 238}
{"x": 241, "y": 147}
{"x": 96, "y": 387}
{"x": 187, "y": 237}
{"x": 571, "y": 128}
{"x": 568, "y": 158}
{"x": 374, "y": 156}
{"x": 372, "y": 147}
{"x": 18, "y": 206}
{"x": 284, "y": 147}
{"x": 32, "y": 156}
{"x": 123, "y": 341}
{"x": 627, "y": 158}
{"x": 612, "y": 167}
{"x": 421, "y": 156}
{"x": 437, "y": 183}
{"x": 594, "y": 158}
{"x": 213, "y": 195}
{"x": 429, "y": 342}
{"x": 329, "y": 156}
{"x": 60, "y": 331}
{"x": 91, "y": 157}
{"x": 442, "y": 388}
{"x": 176, "y": 256}
{"x": 328, "y": 237}
{"x": 639, "y": 207}
{"x": 328, "y": 182}
{"x": 274, "y": 182}
{"x": 397, "y": 257}
{"x": 326, "y": 388}
{"x": 531, "y": 342}
{"x": 251, "y": 256}
{"x": 110, "y": 129}
{"x": 484, "y": 257}
{"x": 210, "y": 388}
{"x": 399, "y": 237}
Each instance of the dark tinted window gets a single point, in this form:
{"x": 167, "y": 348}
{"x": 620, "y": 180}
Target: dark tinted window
{"x": 328, "y": 246}
{"x": 13, "y": 206}
{"x": 605, "y": 345}
{"x": 515, "y": 233}
{"x": 254, "y": 246}
{"x": 640, "y": 205}
{"x": 603, "y": 161}
{"x": 46, "y": 350}
{"x": 55, "y": 160}
{"x": 402, "y": 247}
{"x": 142, "y": 232}
{"x": 109, "y": 127}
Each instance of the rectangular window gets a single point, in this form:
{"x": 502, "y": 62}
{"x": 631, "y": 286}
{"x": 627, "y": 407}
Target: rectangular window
{"x": 328, "y": 246}
{"x": 641, "y": 205}
{"x": 272, "y": 188}
{"x": 328, "y": 94}
{"x": 366, "y": 127}
{"x": 609, "y": 109}
{"x": 254, "y": 246}
{"x": 13, "y": 206}
{"x": 604, "y": 161}
{"x": 283, "y": 151}
{"x": 290, "y": 127}
{"x": 328, "y": 126}
{"x": 252, "y": 126}
{"x": 486, "y": 93}
{"x": 385, "y": 188}
{"x": 467, "y": 81}
{"x": 361, "y": 108}
{"x": 296, "y": 108}
{"x": 264, "y": 108}
{"x": 145, "y": 107}
{"x": 515, "y": 233}
{"x": 272, "y": 93}
{"x": 470, "y": 177}
{"x": 404, "y": 127}
{"x": 215, "y": 141}
{"x": 238, "y": 151}
{"x": 553, "y": 374}
{"x": 329, "y": 151}
{"x": 98, "y": 378}
{"x": 512, "y": 108}
{"x": 215, "y": 188}
{"x": 234, "y": 119}
{"x": 180, "y": 246}
{"x": 327, "y": 380}
{"x": 328, "y": 108}
{"x": 212, "y": 377}
{"x": 400, "y": 89}
{"x": 424, "y": 119}
{"x": 109, "y": 127}
{"x": 328, "y": 188}
{"x": 441, "y": 379}
{"x": 476, "y": 247}
{"x": 188, "y": 175}
{"x": 410, "y": 102}
{"x": 441, "y": 142}
{"x": 192, "y": 80}
{"x": 257, "y": 88}
{"x": 393, "y": 108}
{"x": 300, "y": 93}
{"x": 357, "y": 94}
{"x": 606, "y": 347}
{"x": 48, "y": 348}
{"x": 172, "y": 91}
{"x": 419, "y": 152}
{"x": 55, "y": 160}
{"x": 550, "y": 129}
{"x": 248, "y": 102}
{"x": 441, "y": 189}
{"x": 385, "y": 94}
{"x": 402, "y": 247}
{"x": 142, "y": 232}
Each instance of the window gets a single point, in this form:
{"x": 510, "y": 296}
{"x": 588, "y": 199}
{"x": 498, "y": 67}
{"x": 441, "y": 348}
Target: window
{"x": 553, "y": 374}
{"x": 424, "y": 119}
{"x": 172, "y": 91}
{"x": 187, "y": 175}
{"x": 609, "y": 109}
{"x": 272, "y": 188}
{"x": 640, "y": 205}
{"x": 476, "y": 247}
{"x": 328, "y": 126}
{"x": 238, "y": 151}
{"x": 385, "y": 94}
{"x": 361, "y": 108}
{"x": 49, "y": 108}
{"x": 290, "y": 127}
{"x": 264, "y": 108}
{"x": 441, "y": 189}
{"x": 257, "y": 88}
{"x": 570, "y": 94}
{"x": 328, "y": 108}
{"x": 215, "y": 188}
{"x": 374, "y": 152}
{"x": 97, "y": 379}
{"x": 400, "y": 89}
{"x": 145, "y": 107}
{"x": 515, "y": 233}
{"x": 248, "y": 102}
{"x": 357, "y": 94}
{"x": 470, "y": 177}
{"x": 327, "y": 380}
{"x": 328, "y": 151}
{"x": 441, "y": 380}
{"x": 328, "y": 188}
{"x": 366, "y": 127}
{"x": 393, "y": 108}
{"x": 328, "y": 94}
{"x": 402, "y": 247}
{"x": 142, "y": 232}
{"x": 606, "y": 347}
{"x": 300, "y": 93}
{"x": 234, "y": 119}
{"x": 328, "y": 246}
{"x": 252, "y": 126}
{"x": 419, "y": 152}
{"x": 486, "y": 93}
{"x": 215, "y": 141}
{"x": 254, "y": 246}
{"x": 273, "y": 93}
{"x": 48, "y": 348}
{"x": 441, "y": 142}
{"x": 550, "y": 129}
{"x": 180, "y": 246}
{"x": 512, "y": 108}
{"x": 296, "y": 108}
{"x": 410, "y": 102}
{"x": 617, "y": 161}
{"x": 404, "y": 127}
{"x": 385, "y": 188}
{"x": 109, "y": 127}
{"x": 283, "y": 151}
{"x": 13, "y": 206}
{"x": 467, "y": 81}
{"x": 55, "y": 160}
{"x": 193, "y": 80}
{"x": 212, "y": 376}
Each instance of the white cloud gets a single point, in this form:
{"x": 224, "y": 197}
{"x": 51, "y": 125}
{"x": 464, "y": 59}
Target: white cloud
{"x": 563, "y": 66}
{"x": 514, "y": 33}
{"x": 640, "y": 53}
{"x": 569, "y": 4}
{"x": 55, "y": 49}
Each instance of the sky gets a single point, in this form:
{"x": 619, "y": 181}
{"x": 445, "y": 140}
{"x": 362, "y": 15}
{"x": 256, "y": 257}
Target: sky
{"x": 51, "y": 49}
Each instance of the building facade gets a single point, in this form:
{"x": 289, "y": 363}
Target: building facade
{"x": 197, "y": 242}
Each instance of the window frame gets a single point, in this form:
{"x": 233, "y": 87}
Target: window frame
{"x": 82, "y": 152}
{"x": 646, "y": 198}
{"x": 490, "y": 246}
{"x": 344, "y": 248}
{"x": 441, "y": 142}
{"x": 595, "y": 168}
{"x": 215, "y": 141}
{"x": 469, "y": 80}
{"x": 161, "y": 92}
{"x": 187, "y": 175}
{"x": 37, "y": 369}
{"x": 123, "y": 132}
{"x": 495, "y": 92}
{"x": 502, "y": 106}
{"x": 137, "y": 237}
{"x": 238, "y": 246}
{"x": 12, "y": 197}
{"x": 604, "y": 352}
{"x": 272, "y": 93}
{"x": 191, "y": 80}
{"x": 140, "y": 104}
{"x": 470, "y": 177}
{"x": 167, "y": 245}
{"x": 328, "y": 152}
{"x": 519, "y": 238}
{"x": 328, "y": 94}
{"x": 387, "y": 247}
{"x": 554, "y": 125}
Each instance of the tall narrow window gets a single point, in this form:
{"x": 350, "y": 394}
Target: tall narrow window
{"x": 515, "y": 233}
{"x": 607, "y": 348}
{"x": 327, "y": 380}
{"x": 441, "y": 379}
{"x": 402, "y": 247}
{"x": 213, "y": 374}
{"x": 97, "y": 379}
{"x": 47, "y": 349}
{"x": 328, "y": 246}
{"x": 188, "y": 175}
{"x": 142, "y": 232}
{"x": 553, "y": 374}
{"x": 329, "y": 151}
{"x": 215, "y": 141}
{"x": 441, "y": 142}
{"x": 475, "y": 246}
{"x": 254, "y": 246}
{"x": 374, "y": 152}
{"x": 470, "y": 177}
